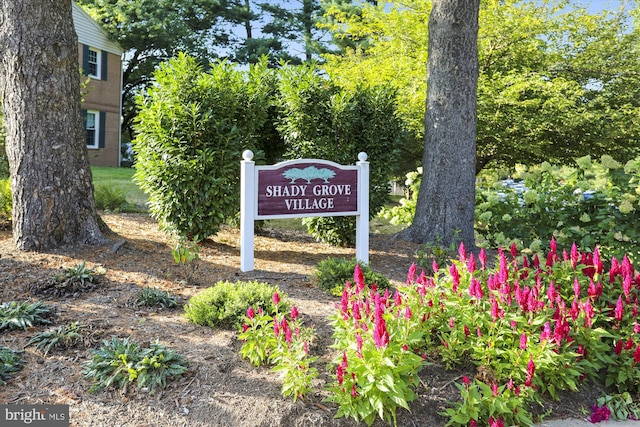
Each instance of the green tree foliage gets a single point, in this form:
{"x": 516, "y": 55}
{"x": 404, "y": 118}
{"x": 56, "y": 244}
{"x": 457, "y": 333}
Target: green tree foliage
{"x": 556, "y": 82}
{"x": 283, "y": 31}
{"x": 192, "y": 128}
{"x": 322, "y": 120}
{"x": 153, "y": 31}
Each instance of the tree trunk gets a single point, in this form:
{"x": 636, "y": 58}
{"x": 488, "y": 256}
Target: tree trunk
{"x": 446, "y": 199}
{"x": 53, "y": 202}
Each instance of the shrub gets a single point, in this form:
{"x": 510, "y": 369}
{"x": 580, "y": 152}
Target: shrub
{"x": 225, "y": 303}
{"x": 15, "y": 315}
{"x": 10, "y": 363}
{"x": 318, "y": 119}
{"x": 110, "y": 198}
{"x": 331, "y": 275}
{"x": 5, "y": 199}
{"x": 192, "y": 127}
{"x": 119, "y": 362}
{"x": 593, "y": 204}
{"x": 152, "y": 297}
{"x": 61, "y": 337}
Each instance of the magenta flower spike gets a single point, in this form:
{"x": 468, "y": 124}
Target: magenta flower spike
{"x": 576, "y": 288}
{"x": 514, "y": 250}
{"x": 397, "y": 298}
{"x": 294, "y": 313}
{"x": 358, "y": 277}
{"x": 411, "y": 274}
{"x": 462, "y": 252}
{"x": 619, "y": 310}
{"x": 250, "y": 313}
{"x": 614, "y": 270}
{"x": 453, "y": 271}
{"x": 553, "y": 245}
{"x": 636, "y": 355}
{"x": 482, "y": 256}
{"x": 434, "y": 266}
{"x": 276, "y": 298}
{"x": 473, "y": 423}
{"x": 523, "y": 341}
{"x": 471, "y": 263}
{"x": 597, "y": 262}
{"x": 531, "y": 369}
{"x": 575, "y": 256}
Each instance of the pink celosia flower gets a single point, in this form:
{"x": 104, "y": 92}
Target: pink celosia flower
{"x": 407, "y": 313}
{"x": 597, "y": 262}
{"x": 494, "y": 389}
{"x": 618, "y": 348}
{"x": 411, "y": 274}
{"x": 455, "y": 276}
{"x": 576, "y": 288}
{"x": 478, "y": 332}
{"x": 629, "y": 344}
{"x": 614, "y": 270}
{"x": 482, "y": 256}
{"x": 340, "y": 374}
{"x": 471, "y": 263}
{"x": 397, "y": 298}
{"x": 275, "y": 298}
{"x": 510, "y": 384}
{"x": 574, "y": 255}
{"x": 354, "y": 392}
{"x": 466, "y": 380}
{"x": 250, "y": 313}
{"x": 359, "y": 344}
{"x": 523, "y": 341}
{"x": 514, "y": 250}
{"x": 452, "y": 322}
{"x": 434, "y": 266}
{"x": 473, "y": 423}
{"x": 276, "y": 328}
{"x": 636, "y": 354}
{"x": 619, "y": 310}
{"x": 546, "y": 332}
{"x": 358, "y": 277}
{"x": 245, "y": 327}
{"x": 599, "y": 413}
{"x": 467, "y": 332}
{"x": 294, "y": 313}
{"x": 531, "y": 369}
{"x": 462, "y": 252}
{"x": 496, "y": 422}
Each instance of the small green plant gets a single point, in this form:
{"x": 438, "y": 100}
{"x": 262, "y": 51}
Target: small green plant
{"x": 15, "y": 315}
{"x": 110, "y": 198}
{"x": 226, "y": 303}
{"x": 119, "y": 362}
{"x": 61, "y": 337}
{"x": 331, "y": 275}
{"x": 185, "y": 254}
{"x": 284, "y": 342}
{"x": 10, "y": 363}
{"x": 152, "y": 297}
{"x": 78, "y": 275}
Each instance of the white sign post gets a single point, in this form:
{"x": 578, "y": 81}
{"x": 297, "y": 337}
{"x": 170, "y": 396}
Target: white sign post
{"x": 302, "y": 188}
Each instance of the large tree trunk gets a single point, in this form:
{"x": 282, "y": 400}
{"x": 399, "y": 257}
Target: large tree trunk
{"x": 51, "y": 181}
{"x": 445, "y": 206}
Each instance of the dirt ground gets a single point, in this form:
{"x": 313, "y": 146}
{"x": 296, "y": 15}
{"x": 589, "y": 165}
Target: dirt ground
{"x": 220, "y": 389}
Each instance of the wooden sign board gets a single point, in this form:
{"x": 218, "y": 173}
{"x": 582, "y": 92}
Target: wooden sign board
{"x": 302, "y": 188}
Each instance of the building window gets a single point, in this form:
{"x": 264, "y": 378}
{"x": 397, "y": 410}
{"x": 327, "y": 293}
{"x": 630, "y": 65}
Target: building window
{"x": 93, "y": 63}
{"x": 92, "y": 128}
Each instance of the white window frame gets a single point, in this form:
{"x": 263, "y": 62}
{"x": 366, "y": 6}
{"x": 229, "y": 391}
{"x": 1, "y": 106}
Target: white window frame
{"x": 96, "y": 129}
{"x": 98, "y": 63}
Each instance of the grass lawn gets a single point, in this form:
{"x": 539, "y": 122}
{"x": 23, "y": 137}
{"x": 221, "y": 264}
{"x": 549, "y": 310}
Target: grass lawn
{"x": 121, "y": 179}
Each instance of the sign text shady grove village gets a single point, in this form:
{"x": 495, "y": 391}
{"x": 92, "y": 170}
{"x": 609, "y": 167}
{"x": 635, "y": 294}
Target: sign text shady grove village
{"x": 303, "y": 188}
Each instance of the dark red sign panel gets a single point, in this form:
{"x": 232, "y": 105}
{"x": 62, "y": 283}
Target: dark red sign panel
{"x": 307, "y": 188}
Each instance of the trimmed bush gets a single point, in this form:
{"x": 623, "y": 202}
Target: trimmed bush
{"x": 322, "y": 120}
{"x": 225, "y": 304}
{"x": 332, "y": 274}
{"x": 192, "y": 128}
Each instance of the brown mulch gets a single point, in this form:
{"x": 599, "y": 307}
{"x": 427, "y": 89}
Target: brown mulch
{"x": 220, "y": 388}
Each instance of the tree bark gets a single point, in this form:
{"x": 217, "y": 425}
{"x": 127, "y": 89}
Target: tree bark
{"x": 446, "y": 199}
{"x": 51, "y": 181}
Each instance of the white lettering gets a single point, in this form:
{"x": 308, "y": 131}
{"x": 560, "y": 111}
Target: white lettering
{"x": 332, "y": 190}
